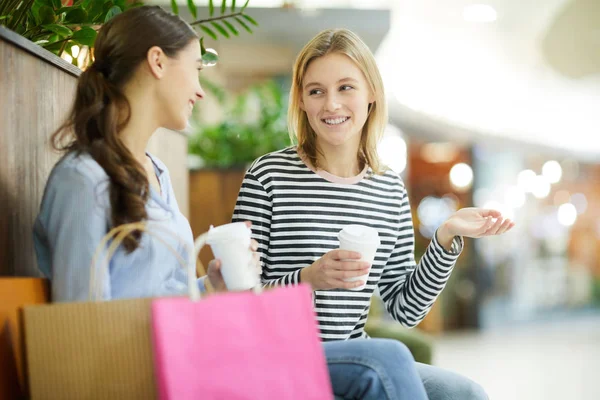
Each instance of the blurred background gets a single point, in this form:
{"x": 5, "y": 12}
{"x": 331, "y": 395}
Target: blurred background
{"x": 492, "y": 104}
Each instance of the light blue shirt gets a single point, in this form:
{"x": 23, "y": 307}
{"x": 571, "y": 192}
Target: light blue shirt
{"x": 74, "y": 217}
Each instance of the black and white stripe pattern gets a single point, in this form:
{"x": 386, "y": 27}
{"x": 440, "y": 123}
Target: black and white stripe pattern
{"x": 296, "y": 215}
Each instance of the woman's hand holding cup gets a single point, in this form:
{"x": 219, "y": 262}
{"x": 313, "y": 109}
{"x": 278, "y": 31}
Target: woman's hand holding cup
{"x": 331, "y": 270}
{"x": 214, "y": 274}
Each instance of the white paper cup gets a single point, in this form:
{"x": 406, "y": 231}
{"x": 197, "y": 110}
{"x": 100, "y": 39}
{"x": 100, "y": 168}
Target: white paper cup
{"x": 364, "y": 240}
{"x": 230, "y": 243}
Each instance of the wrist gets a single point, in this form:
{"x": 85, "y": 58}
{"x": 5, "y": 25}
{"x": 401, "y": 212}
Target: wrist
{"x": 444, "y": 236}
{"x": 305, "y": 276}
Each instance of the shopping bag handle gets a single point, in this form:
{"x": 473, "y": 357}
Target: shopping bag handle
{"x": 120, "y": 232}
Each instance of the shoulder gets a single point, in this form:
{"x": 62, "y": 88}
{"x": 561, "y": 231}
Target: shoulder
{"x": 76, "y": 181}
{"x": 77, "y": 170}
{"x": 387, "y": 182}
{"x": 390, "y": 179}
{"x": 287, "y": 157}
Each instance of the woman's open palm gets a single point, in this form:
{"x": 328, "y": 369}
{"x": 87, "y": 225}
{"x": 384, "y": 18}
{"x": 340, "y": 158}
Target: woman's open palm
{"x": 478, "y": 222}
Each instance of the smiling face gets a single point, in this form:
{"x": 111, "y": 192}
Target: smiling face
{"x": 179, "y": 87}
{"x": 335, "y": 98}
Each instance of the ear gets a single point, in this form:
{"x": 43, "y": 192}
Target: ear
{"x": 156, "y": 60}
{"x": 371, "y": 97}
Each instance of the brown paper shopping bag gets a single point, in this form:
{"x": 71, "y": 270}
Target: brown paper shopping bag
{"x": 94, "y": 350}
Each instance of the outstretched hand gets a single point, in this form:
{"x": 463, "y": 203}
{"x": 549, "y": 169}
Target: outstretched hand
{"x": 474, "y": 223}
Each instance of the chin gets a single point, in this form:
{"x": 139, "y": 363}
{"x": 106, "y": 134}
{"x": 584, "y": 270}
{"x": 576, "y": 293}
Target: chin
{"x": 177, "y": 125}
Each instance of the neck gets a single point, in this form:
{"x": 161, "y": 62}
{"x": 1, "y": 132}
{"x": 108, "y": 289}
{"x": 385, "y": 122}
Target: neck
{"x": 141, "y": 125}
{"x": 339, "y": 161}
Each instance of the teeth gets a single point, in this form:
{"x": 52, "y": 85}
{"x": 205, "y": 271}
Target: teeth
{"x": 336, "y": 121}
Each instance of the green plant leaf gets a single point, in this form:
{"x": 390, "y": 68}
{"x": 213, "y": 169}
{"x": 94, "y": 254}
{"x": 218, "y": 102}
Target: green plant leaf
{"x": 114, "y": 10}
{"x": 231, "y": 27}
{"x": 64, "y": 10}
{"x": 192, "y": 8}
{"x": 121, "y": 3}
{"x": 95, "y": 11}
{"x": 250, "y": 19}
{"x": 221, "y": 30}
{"x": 46, "y": 15}
{"x": 211, "y": 8}
{"x": 48, "y": 3}
{"x": 208, "y": 31}
{"x": 202, "y": 48}
{"x": 209, "y": 57}
{"x": 85, "y": 36}
{"x": 58, "y": 29}
{"x": 223, "y": 6}
{"x": 245, "y": 5}
{"x": 56, "y": 4}
{"x": 243, "y": 24}
{"x": 42, "y": 42}
{"x": 53, "y": 43}
{"x": 233, "y": 6}
{"x": 76, "y": 16}
{"x": 174, "y": 7}
{"x": 68, "y": 49}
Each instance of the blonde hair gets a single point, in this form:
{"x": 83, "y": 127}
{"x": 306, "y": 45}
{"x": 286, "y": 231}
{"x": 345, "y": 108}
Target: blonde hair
{"x": 345, "y": 42}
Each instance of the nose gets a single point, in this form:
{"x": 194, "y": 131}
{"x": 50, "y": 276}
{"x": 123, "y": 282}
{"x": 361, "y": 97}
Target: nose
{"x": 332, "y": 102}
{"x": 200, "y": 92}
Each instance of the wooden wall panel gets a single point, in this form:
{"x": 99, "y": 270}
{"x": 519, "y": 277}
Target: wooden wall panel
{"x": 35, "y": 97}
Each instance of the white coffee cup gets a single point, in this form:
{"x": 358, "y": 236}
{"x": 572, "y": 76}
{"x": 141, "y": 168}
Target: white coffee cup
{"x": 364, "y": 240}
{"x": 230, "y": 243}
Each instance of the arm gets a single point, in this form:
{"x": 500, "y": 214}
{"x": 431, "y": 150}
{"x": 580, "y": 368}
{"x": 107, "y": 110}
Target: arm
{"x": 254, "y": 204}
{"x": 74, "y": 219}
{"x": 409, "y": 290}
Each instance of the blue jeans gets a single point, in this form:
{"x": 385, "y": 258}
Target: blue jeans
{"x": 376, "y": 369}
{"x": 442, "y": 384}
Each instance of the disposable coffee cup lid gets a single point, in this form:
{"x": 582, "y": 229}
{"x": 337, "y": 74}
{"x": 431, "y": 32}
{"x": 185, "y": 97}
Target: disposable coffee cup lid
{"x": 359, "y": 234}
{"x": 233, "y": 231}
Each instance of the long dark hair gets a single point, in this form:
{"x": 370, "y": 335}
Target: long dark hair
{"x": 101, "y": 110}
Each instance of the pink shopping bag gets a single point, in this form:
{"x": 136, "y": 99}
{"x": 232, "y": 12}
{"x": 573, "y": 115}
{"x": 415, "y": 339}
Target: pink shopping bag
{"x": 239, "y": 346}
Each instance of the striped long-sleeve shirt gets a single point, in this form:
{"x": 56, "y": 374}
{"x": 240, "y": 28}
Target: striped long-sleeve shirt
{"x": 296, "y": 214}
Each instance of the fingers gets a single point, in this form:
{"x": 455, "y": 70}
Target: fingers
{"x": 506, "y": 226}
{"x": 214, "y": 265}
{"x": 256, "y": 262}
{"x": 343, "y": 255}
{"x": 499, "y": 227}
{"x": 346, "y": 274}
{"x": 489, "y": 223}
{"x": 348, "y": 265}
{"x": 214, "y": 276}
{"x": 349, "y": 285}
{"x": 248, "y": 224}
{"x": 494, "y": 227}
{"x": 491, "y": 213}
{"x": 253, "y": 245}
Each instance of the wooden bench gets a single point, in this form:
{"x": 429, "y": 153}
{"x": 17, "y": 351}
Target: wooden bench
{"x": 14, "y": 294}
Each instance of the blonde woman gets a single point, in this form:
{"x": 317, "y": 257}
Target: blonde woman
{"x": 299, "y": 198}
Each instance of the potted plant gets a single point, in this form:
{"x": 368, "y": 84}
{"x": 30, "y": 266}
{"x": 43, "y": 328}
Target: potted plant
{"x": 65, "y": 26}
{"x": 254, "y": 124}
